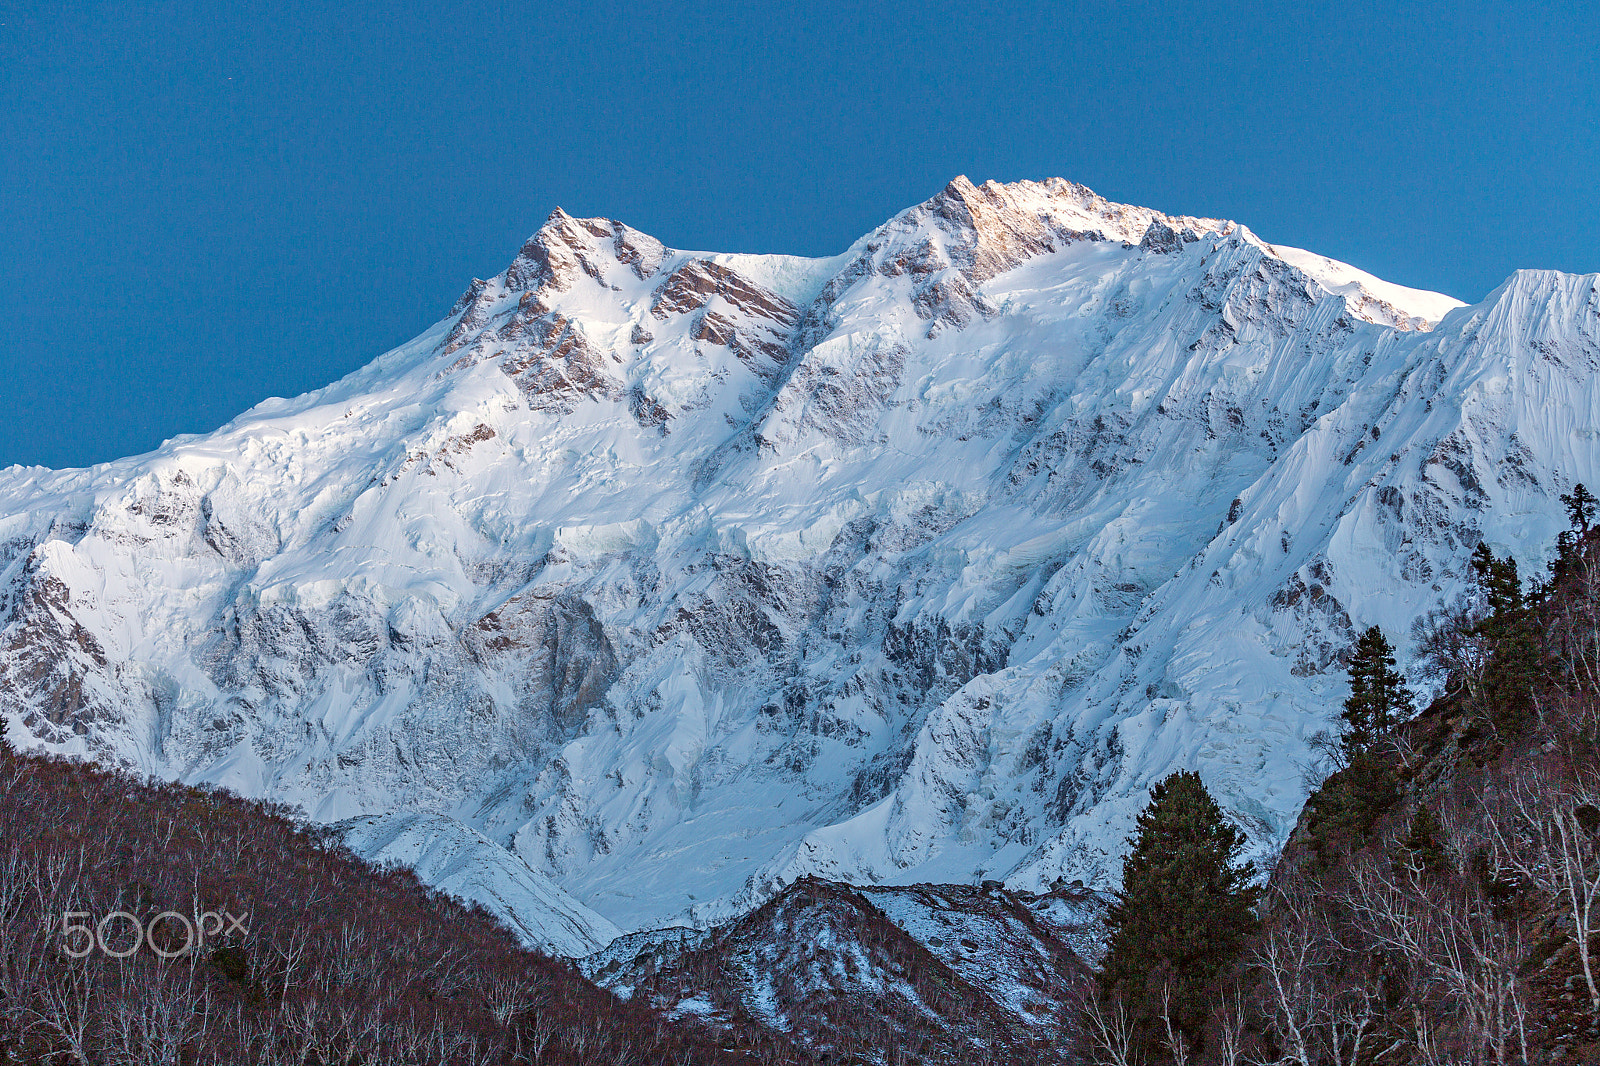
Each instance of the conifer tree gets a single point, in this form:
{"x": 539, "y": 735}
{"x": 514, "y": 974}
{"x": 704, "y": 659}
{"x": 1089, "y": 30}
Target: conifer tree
{"x": 1515, "y": 658}
{"x": 1502, "y": 588}
{"x": 1580, "y": 504}
{"x": 1420, "y": 852}
{"x": 1562, "y": 564}
{"x": 1185, "y": 909}
{"x": 1378, "y": 699}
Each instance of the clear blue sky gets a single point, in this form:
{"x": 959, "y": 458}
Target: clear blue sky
{"x": 201, "y": 209}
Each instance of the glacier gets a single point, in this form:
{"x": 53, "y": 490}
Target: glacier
{"x": 680, "y": 576}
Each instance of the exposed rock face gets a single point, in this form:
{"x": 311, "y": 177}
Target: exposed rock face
{"x": 568, "y": 263}
{"x": 931, "y": 970}
{"x": 682, "y": 576}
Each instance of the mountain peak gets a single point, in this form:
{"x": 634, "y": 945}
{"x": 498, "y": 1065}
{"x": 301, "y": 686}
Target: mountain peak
{"x": 565, "y": 247}
{"x": 1012, "y": 222}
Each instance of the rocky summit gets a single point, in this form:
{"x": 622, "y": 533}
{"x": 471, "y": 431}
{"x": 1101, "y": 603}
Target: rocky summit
{"x": 649, "y": 582}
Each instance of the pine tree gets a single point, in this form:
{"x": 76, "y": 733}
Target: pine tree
{"x": 1185, "y": 909}
{"x": 1562, "y": 565}
{"x": 1502, "y": 588}
{"x": 1378, "y": 699}
{"x": 1580, "y": 504}
{"x": 1515, "y": 658}
{"x": 1421, "y": 853}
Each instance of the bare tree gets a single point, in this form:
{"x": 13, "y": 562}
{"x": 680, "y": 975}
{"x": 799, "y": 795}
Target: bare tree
{"x": 1546, "y": 841}
{"x": 1229, "y": 1016}
{"x": 64, "y": 1006}
{"x": 1450, "y": 650}
{"x": 506, "y": 997}
{"x": 24, "y": 938}
{"x": 1111, "y": 1032}
{"x": 1316, "y": 1016}
{"x": 1425, "y": 1034}
{"x": 157, "y": 1012}
{"x": 1290, "y": 955}
{"x": 1453, "y": 939}
{"x": 290, "y": 951}
{"x": 1177, "y": 1043}
{"x": 12, "y": 770}
{"x": 542, "y": 1031}
{"x": 355, "y": 1029}
{"x": 304, "y": 1020}
{"x": 1351, "y": 1018}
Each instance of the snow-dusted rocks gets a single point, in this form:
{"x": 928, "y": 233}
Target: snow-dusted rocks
{"x": 838, "y": 969}
{"x": 681, "y": 576}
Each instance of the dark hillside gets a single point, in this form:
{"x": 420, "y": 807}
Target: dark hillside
{"x": 324, "y": 958}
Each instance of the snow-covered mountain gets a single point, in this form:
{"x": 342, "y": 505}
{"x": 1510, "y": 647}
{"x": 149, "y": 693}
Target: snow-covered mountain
{"x": 682, "y": 576}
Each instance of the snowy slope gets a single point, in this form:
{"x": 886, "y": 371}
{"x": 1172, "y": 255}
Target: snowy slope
{"x": 680, "y": 576}
{"x": 455, "y": 859}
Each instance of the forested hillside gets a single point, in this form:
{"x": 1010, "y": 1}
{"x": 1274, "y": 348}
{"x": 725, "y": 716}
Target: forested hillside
{"x": 268, "y": 945}
{"x": 1439, "y": 901}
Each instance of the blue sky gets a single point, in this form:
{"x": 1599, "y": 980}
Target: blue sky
{"x": 203, "y": 208}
